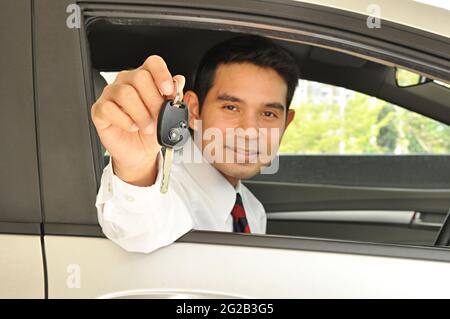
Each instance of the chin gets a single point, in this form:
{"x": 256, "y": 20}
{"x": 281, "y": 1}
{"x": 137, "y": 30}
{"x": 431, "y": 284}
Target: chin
{"x": 239, "y": 171}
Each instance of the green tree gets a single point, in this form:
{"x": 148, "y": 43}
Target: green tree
{"x": 363, "y": 125}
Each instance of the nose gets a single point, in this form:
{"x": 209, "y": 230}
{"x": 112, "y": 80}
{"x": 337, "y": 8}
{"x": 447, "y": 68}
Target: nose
{"x": 249, "y": 123}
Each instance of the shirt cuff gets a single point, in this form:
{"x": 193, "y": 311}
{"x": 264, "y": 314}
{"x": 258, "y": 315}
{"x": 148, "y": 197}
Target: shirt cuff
{"x": 112, "y": 187}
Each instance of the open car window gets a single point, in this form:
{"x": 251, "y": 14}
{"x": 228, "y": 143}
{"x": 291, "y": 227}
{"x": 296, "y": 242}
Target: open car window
{"x": 364, "y": 160}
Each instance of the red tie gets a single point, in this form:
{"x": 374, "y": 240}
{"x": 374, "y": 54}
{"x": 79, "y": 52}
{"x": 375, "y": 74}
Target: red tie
{"x": 240, "y": 224}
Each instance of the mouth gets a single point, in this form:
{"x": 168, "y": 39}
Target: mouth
{"x": 243, "y": 153}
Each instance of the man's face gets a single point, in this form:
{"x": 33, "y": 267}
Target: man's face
{"x": 246, "y": 97}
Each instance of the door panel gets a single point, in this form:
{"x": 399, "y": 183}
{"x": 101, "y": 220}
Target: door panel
{"x": 427, "y": 172}
{"x": 362, "y": 232}
{"x": 105, "y": 270}
{"x": 22, "y": 269}
{"x": 399, "y": 227}
{"x": 282, "y": 197}
{"x": 391, "y": 215}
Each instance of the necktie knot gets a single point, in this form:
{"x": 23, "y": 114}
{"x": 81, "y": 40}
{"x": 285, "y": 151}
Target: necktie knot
{"x": 240, "y": 223}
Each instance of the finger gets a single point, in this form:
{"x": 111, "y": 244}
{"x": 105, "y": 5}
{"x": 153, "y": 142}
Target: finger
{"x": 126, "y": 97}
{"x": 106, "y": 113}
{"x": 180, "y": 86}
{"x": 143, "y": 83}
{"x": 160, "y": 74}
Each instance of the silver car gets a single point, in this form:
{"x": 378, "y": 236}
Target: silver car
{"x": 357, "y": 212}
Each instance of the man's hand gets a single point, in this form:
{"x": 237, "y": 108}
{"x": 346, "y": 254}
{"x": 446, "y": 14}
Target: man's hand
{"x": 126, "y": 116}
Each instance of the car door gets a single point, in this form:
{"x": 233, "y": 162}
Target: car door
{"x": 81, "y": 263}
{"x": 21, "y": 259}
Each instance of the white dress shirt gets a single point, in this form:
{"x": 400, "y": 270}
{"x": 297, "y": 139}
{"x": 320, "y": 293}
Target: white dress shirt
{"x": 141, "y": 219}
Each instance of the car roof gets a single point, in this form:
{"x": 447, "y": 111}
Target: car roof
{"x": 426, "y": 17}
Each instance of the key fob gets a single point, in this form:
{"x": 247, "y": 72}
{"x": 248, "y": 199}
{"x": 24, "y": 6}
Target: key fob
{"x": 173, "y": 125}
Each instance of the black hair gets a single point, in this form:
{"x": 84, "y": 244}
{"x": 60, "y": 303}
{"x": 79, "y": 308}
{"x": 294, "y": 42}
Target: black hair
{"x": 253, "y": 49}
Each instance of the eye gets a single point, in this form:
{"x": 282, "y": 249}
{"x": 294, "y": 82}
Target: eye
{"x": 269, "y": 114}
{"x": 230, "y": 107}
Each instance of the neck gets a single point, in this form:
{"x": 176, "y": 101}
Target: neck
{"x": 232, "y": 180}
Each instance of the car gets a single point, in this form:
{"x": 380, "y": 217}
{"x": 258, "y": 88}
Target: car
{"x": 361, "y": 219}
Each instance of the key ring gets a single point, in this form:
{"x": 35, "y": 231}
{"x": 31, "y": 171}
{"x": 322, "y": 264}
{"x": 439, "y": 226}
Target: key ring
{"x": 178, "y": 98}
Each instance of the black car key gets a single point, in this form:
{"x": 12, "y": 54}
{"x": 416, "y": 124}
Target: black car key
{"x": 172, "y": 132}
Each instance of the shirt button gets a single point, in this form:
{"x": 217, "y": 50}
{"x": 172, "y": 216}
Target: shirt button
{"x": 109, "y": 188}
{"x": 129, "y": 198}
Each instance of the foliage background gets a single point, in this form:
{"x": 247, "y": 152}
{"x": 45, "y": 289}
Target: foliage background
{"x": 332, "y": 120}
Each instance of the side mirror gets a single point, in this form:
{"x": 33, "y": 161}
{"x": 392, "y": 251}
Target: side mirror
{"x": 405, "y": 78}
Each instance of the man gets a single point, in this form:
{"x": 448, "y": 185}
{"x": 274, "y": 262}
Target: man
{"x": 244, "y": 83}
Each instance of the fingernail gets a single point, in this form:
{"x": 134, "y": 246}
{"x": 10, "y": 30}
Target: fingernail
{"x": 167, "y": 87}
{"x": 149, "y": 129}
{"x": 133, "y": 128}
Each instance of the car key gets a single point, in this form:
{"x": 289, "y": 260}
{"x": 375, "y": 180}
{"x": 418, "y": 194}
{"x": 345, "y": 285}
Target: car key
{"x": 172, "y": 132}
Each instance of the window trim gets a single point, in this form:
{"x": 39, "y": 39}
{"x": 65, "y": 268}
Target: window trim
{"x": 315, "y": 244}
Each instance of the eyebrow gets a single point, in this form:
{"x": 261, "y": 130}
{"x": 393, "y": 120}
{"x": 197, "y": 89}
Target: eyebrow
{"x": 276, "y": 105}
{"x": 231, "y": 98}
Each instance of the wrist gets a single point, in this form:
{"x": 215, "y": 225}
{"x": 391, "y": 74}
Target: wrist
{"x": 142, "y": 175}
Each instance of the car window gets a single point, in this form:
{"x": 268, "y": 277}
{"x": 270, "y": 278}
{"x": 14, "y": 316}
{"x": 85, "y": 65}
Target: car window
{"x": 336, "y": 120}
{"x": 329, "y": 184}
{"x": 339, "y": 121}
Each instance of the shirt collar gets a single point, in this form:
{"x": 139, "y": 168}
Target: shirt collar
{"x": 218, "y": 191}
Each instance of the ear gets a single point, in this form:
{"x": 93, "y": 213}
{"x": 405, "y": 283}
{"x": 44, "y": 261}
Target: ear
{"x": 191, "y": 100}
{"x": 290, "y": 117}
